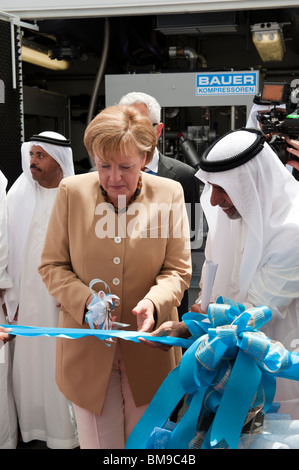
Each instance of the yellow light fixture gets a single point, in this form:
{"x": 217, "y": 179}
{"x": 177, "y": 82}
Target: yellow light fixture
{"x": 42, "y": 59}
{"x": 268, "y": 39}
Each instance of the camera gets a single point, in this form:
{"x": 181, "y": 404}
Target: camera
{"x": 282, "y": 119}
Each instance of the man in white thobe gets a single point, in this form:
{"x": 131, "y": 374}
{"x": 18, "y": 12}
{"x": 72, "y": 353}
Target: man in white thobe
{"x": 8, "y": 416}
{"x": 251, "y": 202}
{"x": 43, "y": 412}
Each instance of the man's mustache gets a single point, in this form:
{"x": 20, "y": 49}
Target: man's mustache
{"x": 34, "y": 166}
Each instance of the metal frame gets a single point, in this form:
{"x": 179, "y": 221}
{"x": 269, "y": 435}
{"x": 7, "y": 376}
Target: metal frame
{"x": 72, "y": 9}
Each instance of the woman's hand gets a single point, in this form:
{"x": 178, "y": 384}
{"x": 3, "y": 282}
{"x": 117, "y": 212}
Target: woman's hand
{"x": 169, "y": 328}
{"x": 88, "y": 301}
{"x": 4, "y": 334}
{"x": 145, "y": 313}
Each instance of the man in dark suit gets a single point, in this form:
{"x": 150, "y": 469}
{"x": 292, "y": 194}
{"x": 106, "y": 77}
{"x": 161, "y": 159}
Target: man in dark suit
{"x": 170, "y": 168}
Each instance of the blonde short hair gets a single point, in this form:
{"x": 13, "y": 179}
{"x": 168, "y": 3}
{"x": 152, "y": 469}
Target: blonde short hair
{"x": 119, "y": 129}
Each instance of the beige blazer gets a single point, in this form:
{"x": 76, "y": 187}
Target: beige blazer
{"x": 140, "y": 253}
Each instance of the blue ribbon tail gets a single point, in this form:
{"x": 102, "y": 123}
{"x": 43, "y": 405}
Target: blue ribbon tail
{"x": 236, "y": 401}
{"x": 158, "y": 411}
{"x": 269, "y": 387}
{"x": 185, "y": 430}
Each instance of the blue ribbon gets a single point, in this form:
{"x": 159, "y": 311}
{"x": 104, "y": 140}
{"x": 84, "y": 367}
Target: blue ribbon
{"x": 99, "y": 314}
{"x": 230, "y": 368}
{"x": 75, "y": 333}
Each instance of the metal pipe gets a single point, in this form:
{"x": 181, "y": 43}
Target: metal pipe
{"x": 233, "y": 118}
{"x": 100, "y": 72}
{"x": 99, "y": 77}
{"x": 187, "y": 53}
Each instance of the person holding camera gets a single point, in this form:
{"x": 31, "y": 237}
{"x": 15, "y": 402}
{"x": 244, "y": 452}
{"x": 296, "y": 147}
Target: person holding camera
{"x": 269, "y": 116}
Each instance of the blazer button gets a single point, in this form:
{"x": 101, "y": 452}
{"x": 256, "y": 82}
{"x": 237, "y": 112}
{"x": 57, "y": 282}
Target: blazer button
{"x": 116, "y": 260}
{"x": 116, "y": 281}
{"x": 117, "y": 240}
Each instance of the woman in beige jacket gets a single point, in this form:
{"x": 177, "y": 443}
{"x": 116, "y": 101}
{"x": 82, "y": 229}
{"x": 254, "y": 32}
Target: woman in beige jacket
{"x": 128, "y": 229}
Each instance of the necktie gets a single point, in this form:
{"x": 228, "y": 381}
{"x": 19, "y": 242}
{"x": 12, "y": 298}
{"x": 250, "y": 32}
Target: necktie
{"x": 147, "y": 170}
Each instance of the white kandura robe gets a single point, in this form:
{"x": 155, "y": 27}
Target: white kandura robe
{"x": 8, "y": 415}
{"x": 283, "y": 305}
{"x": 44, "y": 413}
{"x": 268, "y": 288}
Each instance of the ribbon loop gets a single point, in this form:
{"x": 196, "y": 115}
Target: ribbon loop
{"x": 255, "y": 344}
{"x": 222, "y": 314}
{"x": 100, "y": 307}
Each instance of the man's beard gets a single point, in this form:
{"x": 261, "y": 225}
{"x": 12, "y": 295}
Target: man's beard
{"x": 236, "y": 215}
{"x": 231, "y": 212}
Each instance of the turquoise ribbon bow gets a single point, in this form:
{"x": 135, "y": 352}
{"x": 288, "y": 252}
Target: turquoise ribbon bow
{"x": 230, "y": 368}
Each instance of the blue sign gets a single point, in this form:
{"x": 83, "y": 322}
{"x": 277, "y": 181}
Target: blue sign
{"x": 227, "y": 83}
